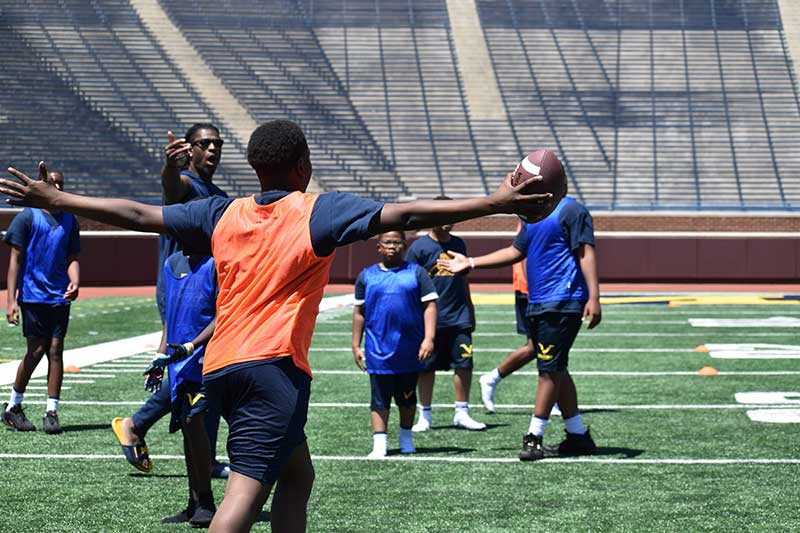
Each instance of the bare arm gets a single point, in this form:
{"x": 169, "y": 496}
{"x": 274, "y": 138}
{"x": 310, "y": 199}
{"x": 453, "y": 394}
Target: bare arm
{"x": 430, "y": 314}
{"x": 470, "y": 305}
{"x": 204, "y": 336}
{"x": 429, "y": 213}
{"x": 74, "y": 274}
{"x": 174, "y": 185}
{"x": 14, "y": 264}
{"x": 499, "y": 258}
{"x": 588, "y": 263}
{"x": 358, "y": 333}
{"x": 123, "y": 213}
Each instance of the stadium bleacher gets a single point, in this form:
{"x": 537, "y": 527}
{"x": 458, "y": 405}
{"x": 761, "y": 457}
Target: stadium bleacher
{"x": 651, "y": 104}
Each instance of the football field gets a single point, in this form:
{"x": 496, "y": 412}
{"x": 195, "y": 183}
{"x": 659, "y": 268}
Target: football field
{"x": 678, "y": 451}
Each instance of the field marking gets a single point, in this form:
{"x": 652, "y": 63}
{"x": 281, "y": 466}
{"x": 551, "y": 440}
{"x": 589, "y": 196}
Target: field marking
{"x": 82, "y": 381}
{"x": 775, "y": 416}
{"x": 88, "y": 355}
{"x": 360, "y": 405}
{"x": 771, "y": 322}
{"x": 610, "y": 373}
{"x": 768, "y": 398}
{"x": 30, "y": 387}
{"x": 433, "y": 459}
{"x": 572, "y": 350}
{"x": 659, "y": 310}
{"x": 752, "y": 351}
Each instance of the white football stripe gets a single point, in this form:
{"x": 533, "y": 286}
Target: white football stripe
{"x": 530, "y": 167}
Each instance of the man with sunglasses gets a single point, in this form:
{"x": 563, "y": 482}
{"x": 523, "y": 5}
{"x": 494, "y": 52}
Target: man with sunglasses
{"x": 189, "y": 167}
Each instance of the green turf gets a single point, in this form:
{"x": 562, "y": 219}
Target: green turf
{"x": 485, "y": 494}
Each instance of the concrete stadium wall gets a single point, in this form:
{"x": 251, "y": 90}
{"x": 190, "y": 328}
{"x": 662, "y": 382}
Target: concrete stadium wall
{"x": 703, "y": 255}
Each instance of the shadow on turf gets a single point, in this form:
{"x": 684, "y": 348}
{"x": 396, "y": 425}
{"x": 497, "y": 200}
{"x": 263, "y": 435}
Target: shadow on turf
{"x": 143, "y": 475}
{"x": 442, "y": 449}
{"x": 84, "y": 427}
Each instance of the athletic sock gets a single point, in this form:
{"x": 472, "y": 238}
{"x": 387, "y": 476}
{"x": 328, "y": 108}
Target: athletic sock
{"x": 462, "y": 407}
{"x": 406, "y": 440}
{"x": 575, "y": 425}
{"x": 380, "y": 443}
{"x": 426, "y": 413}
{"x": 52, "y": 404}
{"x": 537, "y": 426}
{"x": 16, "y": 398}
{"x": 494, "y": 376}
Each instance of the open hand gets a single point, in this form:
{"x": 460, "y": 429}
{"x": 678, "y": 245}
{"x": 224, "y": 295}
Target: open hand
{"x": 176, "y": 152}
{"x": 510, "y": 198}
{"x": 458, "y": 264}
{"x": 28, "y": 192}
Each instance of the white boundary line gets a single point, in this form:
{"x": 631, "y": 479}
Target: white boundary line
{"x": 359, "y": 405}
{"x": 609, "y": 373}
{"x": 432, "y": 459}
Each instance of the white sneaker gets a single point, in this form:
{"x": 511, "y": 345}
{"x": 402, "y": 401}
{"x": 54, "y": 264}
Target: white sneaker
{"x": 464, "y": 421}
{"x": 487, "y": 392}
{"x": 377, "y": 454}
{"x": 421, "y": 425}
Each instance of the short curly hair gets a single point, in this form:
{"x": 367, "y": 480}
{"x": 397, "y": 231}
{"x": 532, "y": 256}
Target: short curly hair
{"x": 194, "y": 128}
{"x": 275, "y": 147}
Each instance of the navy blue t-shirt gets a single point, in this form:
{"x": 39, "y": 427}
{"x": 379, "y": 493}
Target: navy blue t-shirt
{"x": 337, "y": 219}
{"x": 167, "y": 246}
{"x": 453, "y": 303}
{"x": 555, "y": 279}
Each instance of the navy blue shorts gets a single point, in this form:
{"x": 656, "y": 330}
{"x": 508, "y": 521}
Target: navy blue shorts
{"x": 452, "y": 348}
{"x": 266, "y": 407}
{"x": 191, "y": 402}
{"x": 521, "y": 307}
{"x": 401, "y": 387}
{"x": 44, "y": 321}
{"x": 552, "y": 335}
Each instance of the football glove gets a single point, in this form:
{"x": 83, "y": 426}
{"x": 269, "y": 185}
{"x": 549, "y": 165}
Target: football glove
{"x": 180, "y": 351}
{"x": 155, "y": 372}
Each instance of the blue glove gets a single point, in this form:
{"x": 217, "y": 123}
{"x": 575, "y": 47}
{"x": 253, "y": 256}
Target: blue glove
{"x": 155, "y": 372}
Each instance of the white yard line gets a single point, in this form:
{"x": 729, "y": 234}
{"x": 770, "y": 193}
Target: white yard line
{"x": 621, "y": 334}
{"x": 609, "y": 373}
{"x": 360, "y": 405}
{"x": 434, "y": 459}
{"x": 88, "y": 355}
{"x": 572, "y": 350}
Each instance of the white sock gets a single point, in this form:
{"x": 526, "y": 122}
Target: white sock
{"x": 406, "y": 440}
{"x": 426, "y": 413}
{"x": 537, "y": 426}
{"x": 380, "y": 443}
{"x": 16, "y": 398}
{"x": 494, "y": 376}
{"x": 462, "y": 407}
{"x": 52, "y": 404}
{"x": 575, "y": 425}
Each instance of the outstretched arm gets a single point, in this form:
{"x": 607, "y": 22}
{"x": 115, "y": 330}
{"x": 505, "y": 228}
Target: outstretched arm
{"x": 39, "y": 193}
{"x": 499, "y": 258}
{"x": 430, "y": 213}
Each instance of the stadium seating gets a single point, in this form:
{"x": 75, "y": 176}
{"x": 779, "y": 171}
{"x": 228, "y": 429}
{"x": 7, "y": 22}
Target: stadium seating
{"x": 652, "y": 104}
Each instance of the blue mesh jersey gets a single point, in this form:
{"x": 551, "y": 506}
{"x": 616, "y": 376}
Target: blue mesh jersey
{"x": 190, "y": 288}
{"x": 555, "y": 279}
{"x": 47, "y": 240}
{"x": 167, "y": 245}
{"x": 452, "y": 290}
{"x": 394, "y": 326}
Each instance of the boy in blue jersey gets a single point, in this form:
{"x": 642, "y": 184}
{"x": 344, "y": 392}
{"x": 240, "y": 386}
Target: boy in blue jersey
{"x": 456, "y": 321}
{"x": 396, "y": 302}
{"x": 190, "y": 286}
{"x": 273, "y": 419}
{"x": 44, "y": 259}
{"x": 563, "y": 292}
{"x": 189, "y": 166}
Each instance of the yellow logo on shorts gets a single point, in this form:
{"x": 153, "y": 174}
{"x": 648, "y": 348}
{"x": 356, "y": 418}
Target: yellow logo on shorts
{"x": 467, "y": 350}
{"x": 408, "y": 394}
{"x": 194, "y": 399}
{"x": 544, "y": 352}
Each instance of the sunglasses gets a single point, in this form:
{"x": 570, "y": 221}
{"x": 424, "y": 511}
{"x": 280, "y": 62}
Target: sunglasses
{"x": 205, "y": 143}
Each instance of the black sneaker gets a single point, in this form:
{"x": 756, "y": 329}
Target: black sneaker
{"x": 574, "y": 444}
{"x": 202, "y": 517}
{"x": 50, "y": 423}
{"x": 16, "y": 418}
{"x": 179, "y": 518}
{"x": 531, "y": 448}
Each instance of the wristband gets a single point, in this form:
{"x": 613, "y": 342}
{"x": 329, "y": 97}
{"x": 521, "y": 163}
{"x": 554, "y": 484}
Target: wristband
{"x": 471, "y": 263}
{"x": 189, "y": 347}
